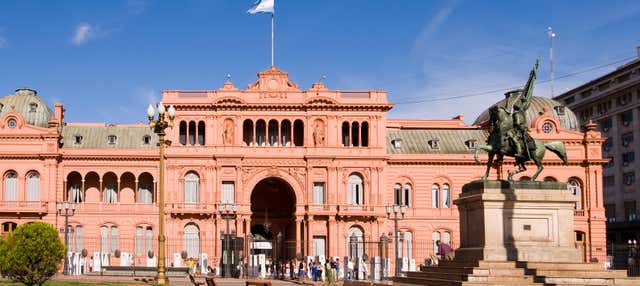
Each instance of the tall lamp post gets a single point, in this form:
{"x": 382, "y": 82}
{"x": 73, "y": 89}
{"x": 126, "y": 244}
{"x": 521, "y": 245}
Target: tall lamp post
{"x": 159, "y": 125}
{"x": 227, "y": 211}
{"x": 395, "y": 209}
{"x": 63, "y": 210}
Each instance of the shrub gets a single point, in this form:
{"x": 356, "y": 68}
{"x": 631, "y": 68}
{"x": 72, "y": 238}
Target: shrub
{"x": 31, "y": 254}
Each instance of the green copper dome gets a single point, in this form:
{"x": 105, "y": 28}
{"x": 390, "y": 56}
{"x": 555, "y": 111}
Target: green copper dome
{"x": 566, "y": 117}
{"x": 26, "y": 102}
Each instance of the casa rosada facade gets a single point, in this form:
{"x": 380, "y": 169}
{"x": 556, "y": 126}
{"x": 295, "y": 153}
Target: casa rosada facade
{"x": 317, "y": 166}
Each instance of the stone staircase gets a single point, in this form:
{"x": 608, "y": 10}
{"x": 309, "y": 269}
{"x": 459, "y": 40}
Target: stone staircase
{"x": 571, "y": 274}
{"x": 480, "y": 273}
{"x": 485, "y": 273}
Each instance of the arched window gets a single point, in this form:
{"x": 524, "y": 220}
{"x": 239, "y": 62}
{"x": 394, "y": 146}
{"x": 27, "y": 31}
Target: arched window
{"x": 104, "y": 239}
{"x": 355, "y": 192}
{"x": 8, "y": 227}
{"x": 397, "y": 194}
{"x": 191, "y": 188}
{"x": 145, "y": 193}
{"x": 192, "y": 133}
{"x": 192, "y": 240}
{"x": 149, "y": 240}
{"x": 247, "y": 132}
{"x": 365, "y": 134}
{"x": 355, "y": 243}
{"x": 201, "y": 133}
{"x": 33, "y": 187}
{"x": 446, "y": 196}
{"x": 407, "y": 195}
{"x": 408, "y": 245}
{"x": 261, "y": 133}
{"x": 298, "y": 133}
{"x": 345, "y": 134}
{"x": 11, "y": 186}
{"x": 435, "y": 236}
{"x": 435, "y": 198}
{"x": 108, "y": 239}
{"x": 139, "y": 240}
{"x": 285, "y": 133}
{"x": 550, "y": 179}
{"x": 355, "y": 134}
{"x": 273, "y": 132}
{"x": 110, "y": 193}
{"x": 576, "y": 190}
{"x": 113, "y": 238}
{"x": 74, "y": 193}
{"x": 79, "y": 235}
{"x": 183, "y": 133}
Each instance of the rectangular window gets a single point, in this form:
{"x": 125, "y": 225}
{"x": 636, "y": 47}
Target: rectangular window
{"x": 608, "y": 181}
{"x": 627, "y": 118}
{"x": 630, "y": 210}
{"x": 605, "y": 124}
{"x": 569, "y": 100}
{"x": 79, "y": 238}
{"x": 628, "y": 158}
{"x": 610, "y": 212}
{"x": 319, "y": 193}
{"x": 104, "y": 239}
{"x": 319, "y": 245}
{"x": 149, "y": 242}
{"x": 228, "y": 192}
{"x": 629, "y": 178}
{"x": 627, "y": 139}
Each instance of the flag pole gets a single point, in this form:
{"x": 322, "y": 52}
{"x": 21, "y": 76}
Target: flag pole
{"x": 272, "y": 39}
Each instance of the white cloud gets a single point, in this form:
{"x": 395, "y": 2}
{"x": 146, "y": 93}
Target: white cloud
{"x": 83, "y": 32}
{"x": 432, "y": 27}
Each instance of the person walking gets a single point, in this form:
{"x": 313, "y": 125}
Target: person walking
{"x": 330, "y": 276}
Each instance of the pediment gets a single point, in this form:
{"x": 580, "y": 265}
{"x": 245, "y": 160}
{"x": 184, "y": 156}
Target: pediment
{"x": 273, "y": 79}
{"x": 321, "y": 100}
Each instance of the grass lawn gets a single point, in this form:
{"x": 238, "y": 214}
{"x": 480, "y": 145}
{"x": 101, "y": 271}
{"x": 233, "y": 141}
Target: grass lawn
{"x": 72, "y": 283}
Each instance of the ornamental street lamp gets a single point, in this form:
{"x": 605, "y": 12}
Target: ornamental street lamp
{"x": 63, "y": 210}
{"x": 159, "y": 125}
{"x": 395, "y": 209}
{"x": 227, "y": 211}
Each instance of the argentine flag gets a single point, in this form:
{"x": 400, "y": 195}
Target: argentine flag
{"x": 265, "y": 6}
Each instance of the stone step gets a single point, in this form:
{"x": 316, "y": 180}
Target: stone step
{"x": 473, "y": 270}
{"x": 457, "y": 276}
{"x": 481, "y": 264}
{"x": 562, "y": 266}
{"x": 604, "y": 274}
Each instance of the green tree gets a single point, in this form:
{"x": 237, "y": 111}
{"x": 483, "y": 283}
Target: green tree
{"x": 31, "y": 254}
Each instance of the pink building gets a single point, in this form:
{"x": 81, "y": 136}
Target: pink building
{"x": 317, "y": 165}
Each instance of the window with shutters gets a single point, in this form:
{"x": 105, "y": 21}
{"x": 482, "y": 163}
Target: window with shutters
{"x": 33, "y": 187}
{"x": 355, "y": 192}
{"x": 319, "y": 193}
{"x": 228, "y": 193}
{"x": 11, "y": 186}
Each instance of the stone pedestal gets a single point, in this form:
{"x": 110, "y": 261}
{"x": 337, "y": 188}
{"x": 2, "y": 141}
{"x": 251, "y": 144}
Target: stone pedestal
{"x": 516, "y": 221}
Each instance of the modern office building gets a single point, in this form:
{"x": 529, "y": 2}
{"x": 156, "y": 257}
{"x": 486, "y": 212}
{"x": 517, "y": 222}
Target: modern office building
{"x": 613, "y": 102}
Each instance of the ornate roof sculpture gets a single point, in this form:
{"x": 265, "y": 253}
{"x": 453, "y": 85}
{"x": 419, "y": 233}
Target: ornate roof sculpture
{"x": 564, "y": 115}
{"x": 26, "y": 102}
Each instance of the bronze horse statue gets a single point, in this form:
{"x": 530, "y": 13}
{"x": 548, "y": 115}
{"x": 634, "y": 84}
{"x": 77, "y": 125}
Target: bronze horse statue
{"x": 501, "y": 122}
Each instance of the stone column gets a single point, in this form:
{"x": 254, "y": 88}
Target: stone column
{"x": 298, "y": 220}
{"x": 332, "y": 236}
{"x": 310, "y": 235}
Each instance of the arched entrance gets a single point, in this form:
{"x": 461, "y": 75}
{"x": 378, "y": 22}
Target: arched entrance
{"x": 273, "y": 207}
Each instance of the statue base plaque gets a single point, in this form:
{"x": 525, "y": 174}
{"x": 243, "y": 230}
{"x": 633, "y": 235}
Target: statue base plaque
{"x": 516, "y": 221}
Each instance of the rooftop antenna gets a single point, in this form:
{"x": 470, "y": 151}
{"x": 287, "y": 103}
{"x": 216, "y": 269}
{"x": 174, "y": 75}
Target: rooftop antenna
{"x": 551, "y": 36}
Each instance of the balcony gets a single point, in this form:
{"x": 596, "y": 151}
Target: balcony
{"x": 100, "y": 207}
{"x": 23, "y": 207}
{"x": 356, "y": 210}
{"x": 182, "y": 208}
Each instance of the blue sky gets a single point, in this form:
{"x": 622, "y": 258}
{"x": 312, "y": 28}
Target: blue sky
{"x": 107, "y": 60}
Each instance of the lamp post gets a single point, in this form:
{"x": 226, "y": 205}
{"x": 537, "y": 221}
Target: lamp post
{"x": 227, "y": 211}
{"x": 250, "y": 252}
{"x": 395, "y": 209}
{"x": 278, "y": 254}
{"x": 63, "y": 210}
{"x": 159, "y": 125}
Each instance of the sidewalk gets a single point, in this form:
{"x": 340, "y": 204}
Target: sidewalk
{"x": 180, "y": 281}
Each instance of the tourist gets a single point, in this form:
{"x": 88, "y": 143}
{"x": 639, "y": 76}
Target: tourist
{"x": 336, "y": 268}
{"x": 330, "y": 276}
{"x": 350, "y": 268}
{"x": 320, "y": 271}
{"x": 362, "y": 267}
{"x": 91, "y": 264}
{"x": 314, "y": 271}
{"x": 444, "y": 250}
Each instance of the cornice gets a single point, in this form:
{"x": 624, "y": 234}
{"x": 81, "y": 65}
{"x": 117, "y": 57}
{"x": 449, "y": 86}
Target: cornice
{"x": 283, "y": 107}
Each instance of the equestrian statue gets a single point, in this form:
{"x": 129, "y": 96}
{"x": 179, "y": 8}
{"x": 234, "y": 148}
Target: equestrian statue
{"x": 509, "y": 133}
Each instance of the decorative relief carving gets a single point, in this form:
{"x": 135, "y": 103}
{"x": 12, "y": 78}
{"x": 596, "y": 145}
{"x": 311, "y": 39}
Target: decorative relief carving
{"x": 318, "y": 133}
{"x": 277, "y": 95}
{"x": 227, "y": 132}
{"x": 298, "y": 174}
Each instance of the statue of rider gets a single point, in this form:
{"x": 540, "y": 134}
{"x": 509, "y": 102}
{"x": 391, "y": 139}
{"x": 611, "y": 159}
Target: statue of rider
{"x": 519, "y": 137}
